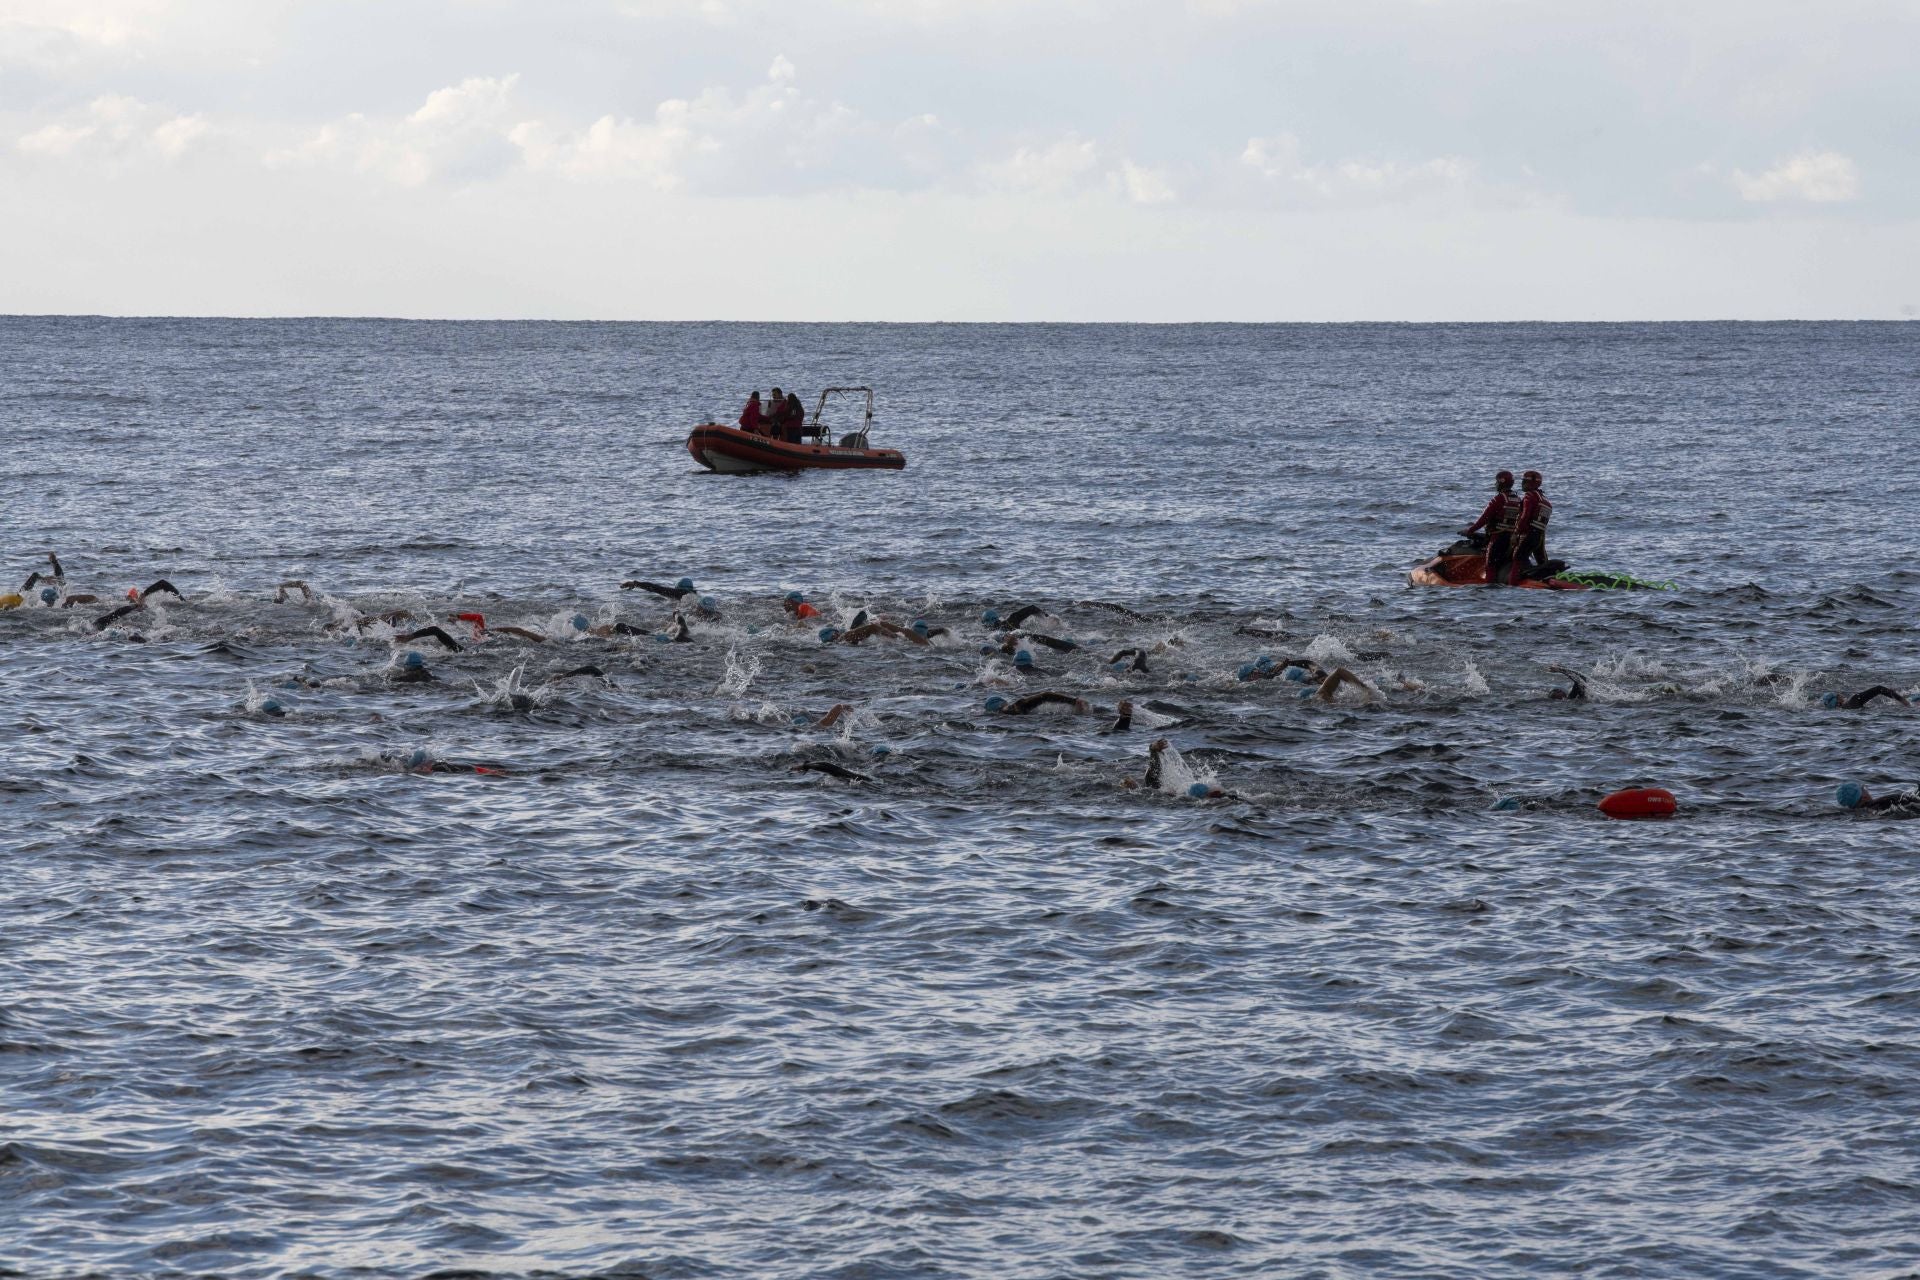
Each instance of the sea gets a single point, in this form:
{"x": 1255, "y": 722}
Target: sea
{"x": 691, "y": 984}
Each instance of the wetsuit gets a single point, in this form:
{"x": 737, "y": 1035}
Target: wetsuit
{"x": 1859, "y": 701}
{"x": 1497, "y": 520}
{"x": 1530, "y": 535}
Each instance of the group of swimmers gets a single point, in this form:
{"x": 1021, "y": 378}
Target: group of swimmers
{"x": 1014, "y": 634}
{"x": 1515, "y": 529}
{"x": 781, "y": 417}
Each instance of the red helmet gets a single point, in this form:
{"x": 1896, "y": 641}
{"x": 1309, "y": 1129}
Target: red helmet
{"x": 1503, "y": 478}
{"x": 1532, "y": 479}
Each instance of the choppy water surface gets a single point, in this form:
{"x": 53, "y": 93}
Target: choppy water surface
{"x": 655, "y": 1002}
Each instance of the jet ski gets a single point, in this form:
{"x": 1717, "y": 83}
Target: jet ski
{"x": 1464, "y": 564}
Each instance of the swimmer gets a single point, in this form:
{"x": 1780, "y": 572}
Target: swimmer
{"x": 1015, "y": 639}
{"x": 1034, "y": 701}
{"x": 921, "y": 627}
{"x": 797, "y": 607}
{"x": 518, "y": 633}
{"x": 418, "y": 761}
{"x": 1123, "y": 712}
{"x": 1265, "y": 668}
{"x": 1129, "y": 660}
{"x": 1859, "y": 701}
{"x": 680, "y": 633}
{"x": 430, "y": 633}
{"x": 1577, "y": 692}
{"x": 991, "y": 618}
{"x": 867, "y": 630}
{"x": 160, "y": 585}
{"x": 58, "y": 577}
{"x": 835, "y": 714}
{"x": 684, "y": 587}
{"x": 1852, "y": 795}
{"x": 412, "y": 670}
{"x": 831, "y": 769}
{"x": 1337, "y": 677}
{"x": 1151, "y": 781}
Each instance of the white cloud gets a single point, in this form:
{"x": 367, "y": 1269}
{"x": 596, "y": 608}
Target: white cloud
{"x": 460, "y": 133}
{"x": 1819, "y": 177}
{"x": 115, "y": 126}
{"x": 1073, "y": 164}
{"x": 1280, "y": 161}
{"x": 1143, "y": 185}
{"x": 773, "y": 139}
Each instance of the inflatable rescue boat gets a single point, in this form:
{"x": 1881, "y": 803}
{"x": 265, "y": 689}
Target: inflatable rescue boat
{"x": 723, "y": 448}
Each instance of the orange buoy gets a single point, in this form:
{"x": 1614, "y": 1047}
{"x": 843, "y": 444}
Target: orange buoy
{"x": 1640, "y": 802}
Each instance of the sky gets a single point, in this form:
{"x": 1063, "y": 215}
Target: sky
{"x": 965, "y": 160}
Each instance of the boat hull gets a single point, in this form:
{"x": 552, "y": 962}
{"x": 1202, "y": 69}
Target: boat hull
{"x": 731, "y": 450}
{"x": 1471, "y": 571}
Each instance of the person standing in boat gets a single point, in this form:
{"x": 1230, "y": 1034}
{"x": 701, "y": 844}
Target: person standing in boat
{"x": 1530, "y": 528}
{"x": 793, "y": 419}
{"x": 751, "y": 419}
{"x": 1498, "y": 520}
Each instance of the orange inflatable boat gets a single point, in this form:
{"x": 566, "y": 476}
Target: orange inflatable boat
{"x": 723, "y": 448}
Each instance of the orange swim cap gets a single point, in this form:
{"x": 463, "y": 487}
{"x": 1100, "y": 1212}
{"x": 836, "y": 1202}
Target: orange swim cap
{"x": 806, "y": 611}
{"x": 133, "y": 593}
{"x": 477, "y": 619}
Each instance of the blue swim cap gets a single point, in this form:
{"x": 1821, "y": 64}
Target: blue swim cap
{"x": 685, "y": 584}
{"x": 1264, "y": 661}
{"x": 829, "y": 634}
{"x": 1022, "y": 659}
{"x": 1829, "y": 700}
{"x": 882, "y": 749}
{"x": 996, "y": 702}
{"x": 794, "y": 597}
{"x": 986, "y": 648}
{"x": 49, "y": 595}
{"x": 800, "y": 717}
{"x": 413, "y": 662}
{"x": 418, "y": 758}
{"x": 1850, "y": 795}
{"x": 1298, "y": 675}
{"x": 1191, "y": 678}
{"x": 919, "y": 626}
{"x": 1506, "y": 804}
{"x": 1199, "y": 790}
{"x": 661, "y": 637}
{"x": 272, "y": 707}
{"x": 706, "y": 602}
{"x": 1246, "y": 671}
{"x": 989, "y": 618}
{"x": 1306, "y": 693}
{"x": 579, "y": 622}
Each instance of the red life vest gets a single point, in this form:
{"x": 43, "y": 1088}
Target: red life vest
{"x": 1534, "y": 513}
{"x": 1506, "y": 515}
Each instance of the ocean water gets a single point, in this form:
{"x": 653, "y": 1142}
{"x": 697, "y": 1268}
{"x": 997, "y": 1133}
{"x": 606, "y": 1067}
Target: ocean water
{"x": 661, "y": 999}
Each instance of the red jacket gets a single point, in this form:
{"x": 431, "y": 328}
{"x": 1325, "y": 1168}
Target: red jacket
{"x": 1535, "y": 511}
{"x": 750, "y": 416}
{"x": 1490, "y": 519}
